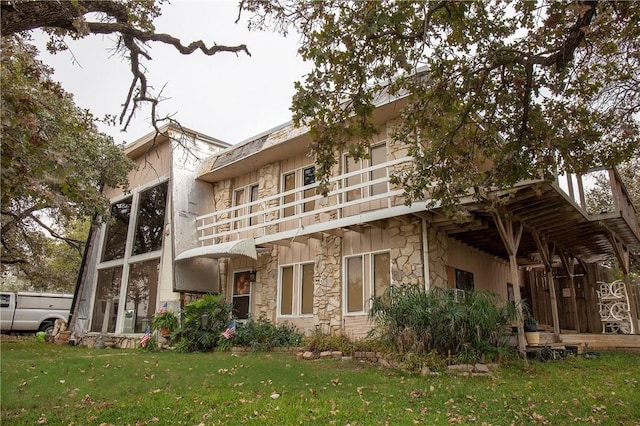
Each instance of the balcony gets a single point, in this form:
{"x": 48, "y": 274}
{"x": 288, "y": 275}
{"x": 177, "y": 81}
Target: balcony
{"x": 354, "y": 199}
{"x": 557, "y": 210}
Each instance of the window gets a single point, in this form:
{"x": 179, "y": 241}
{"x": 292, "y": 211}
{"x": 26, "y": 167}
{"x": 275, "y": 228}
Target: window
{"x": 150, "y": 219}
{"x": 297, "y": 179}
{"x": 253, "y": 196}
{"x": 381, "y": 273}
{"x": 309, "y": 178}
{"x": 366, "y": 276}
{"x": 296, "y": 289}
{"x": 241, "y": 294}
{"x": 286, "y": 291}
{"x": 131, "y": 252}
{"x": 116, "y": 235}
{"x": 351, "y": 165}
{"x": 243, "y": 196}
{"x": 105, "y": 308}
{"x": 4, "y": 300}
{"x": 238, "y": 200}
{"x": 355, "y": 284}
{"x": 142, "y": 289}
{"x": 289, "y": 182}
{"x": 306, "y": 303}
{"x": 464, "y": 280}
{"x": 378, "y": 156}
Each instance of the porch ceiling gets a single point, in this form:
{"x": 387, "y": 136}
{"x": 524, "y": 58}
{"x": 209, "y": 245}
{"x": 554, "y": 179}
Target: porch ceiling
{"x": 557, "y": 219}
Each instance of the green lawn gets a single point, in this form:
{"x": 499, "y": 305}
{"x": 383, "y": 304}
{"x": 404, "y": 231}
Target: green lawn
{"x": 63, "y": 385}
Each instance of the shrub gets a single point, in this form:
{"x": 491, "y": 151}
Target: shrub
{"x": 320, "y": 342}
{"x": 470, "y": 328}
{"x": 262, "y": 335}
{"x": 203, "y": 322}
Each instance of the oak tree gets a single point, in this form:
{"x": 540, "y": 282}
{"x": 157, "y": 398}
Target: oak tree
{"x": 531, "y": 87}
{"x": 54, "y": 160}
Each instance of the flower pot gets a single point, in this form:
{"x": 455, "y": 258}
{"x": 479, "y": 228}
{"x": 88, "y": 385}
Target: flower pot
{"x": 532, "y": 337}
{"x": 165, "y": 332}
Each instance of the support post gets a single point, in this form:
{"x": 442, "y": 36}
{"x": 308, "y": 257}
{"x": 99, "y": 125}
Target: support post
{"x": 547, "y": 258}
{"x": 511, "y": 240}
{"x": 568, "y": 264}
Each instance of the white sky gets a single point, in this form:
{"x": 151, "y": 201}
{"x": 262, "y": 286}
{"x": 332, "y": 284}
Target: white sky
{"x": 225, "y": 96}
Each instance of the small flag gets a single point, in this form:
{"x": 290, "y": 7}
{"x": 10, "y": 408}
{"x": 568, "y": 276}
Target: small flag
{"x": 145, "y": 338}
{"x": 163, "y": 308}
{"x": 230, "y": 331}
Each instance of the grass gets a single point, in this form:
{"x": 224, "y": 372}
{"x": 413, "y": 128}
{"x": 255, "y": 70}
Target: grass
{"x": 63, "y": 385}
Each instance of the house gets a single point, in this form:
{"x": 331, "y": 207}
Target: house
{"x": 246, "y": 221}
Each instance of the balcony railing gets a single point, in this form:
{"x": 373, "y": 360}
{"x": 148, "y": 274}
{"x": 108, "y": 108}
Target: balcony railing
{"x": 350, "y": 195}
{"x": 599, "y": 193}
{"x": 355, "y": 197}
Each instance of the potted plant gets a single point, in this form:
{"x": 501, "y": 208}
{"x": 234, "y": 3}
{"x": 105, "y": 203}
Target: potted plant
{"x": 166, "y": 322}
{"x": 531, "y": 333}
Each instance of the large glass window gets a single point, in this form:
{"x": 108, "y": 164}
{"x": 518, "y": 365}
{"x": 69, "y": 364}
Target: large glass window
{"x": 141, "y": 229}
{"x": 241, "y": 295}
{"x": 150, "y": 219}
{"x": 105, "y": 308}
{"x": 142, "y": 289}
{"x": 117, "y": 228}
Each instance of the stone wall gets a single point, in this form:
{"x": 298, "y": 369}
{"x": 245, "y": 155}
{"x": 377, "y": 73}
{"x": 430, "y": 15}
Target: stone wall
{"x": 437, "y": 258}
{"x": 327, "y": 292}
{"x": 406, "y": 252}
{"x": 266, "y": 286}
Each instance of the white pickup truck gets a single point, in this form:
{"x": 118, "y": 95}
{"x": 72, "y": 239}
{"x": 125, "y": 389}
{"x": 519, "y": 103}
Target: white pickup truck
{"x": 24, "y": 312}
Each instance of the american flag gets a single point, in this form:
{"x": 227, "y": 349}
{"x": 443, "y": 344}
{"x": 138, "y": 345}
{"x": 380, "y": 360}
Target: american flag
{"x": 230, "y": 331}
{"x": 163, "y": 308}
{"x": 145, "y": 338}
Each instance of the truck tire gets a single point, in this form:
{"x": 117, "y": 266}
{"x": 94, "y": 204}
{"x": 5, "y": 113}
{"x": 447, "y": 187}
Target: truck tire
{"x": 47, "y": 327}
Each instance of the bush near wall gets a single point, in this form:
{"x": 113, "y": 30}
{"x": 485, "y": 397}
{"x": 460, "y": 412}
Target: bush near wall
{"x": 472, "y": 327}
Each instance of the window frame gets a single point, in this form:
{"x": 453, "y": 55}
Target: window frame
{"x": 128, "y": 259}
{"x": 300, "y": 192}
{"x": 296, "y": 290}
{"x": 368, "y": 280}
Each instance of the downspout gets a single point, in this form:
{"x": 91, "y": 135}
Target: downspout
{"x": 425, "y": 255}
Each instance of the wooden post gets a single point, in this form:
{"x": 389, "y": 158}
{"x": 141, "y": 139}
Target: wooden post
{"x": 547, "y": 258}
{"x": 568, "y": 264}
{"x": 511, "y": 241}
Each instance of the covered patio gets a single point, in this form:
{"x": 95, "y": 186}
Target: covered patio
{"x": 556, "y": 247}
